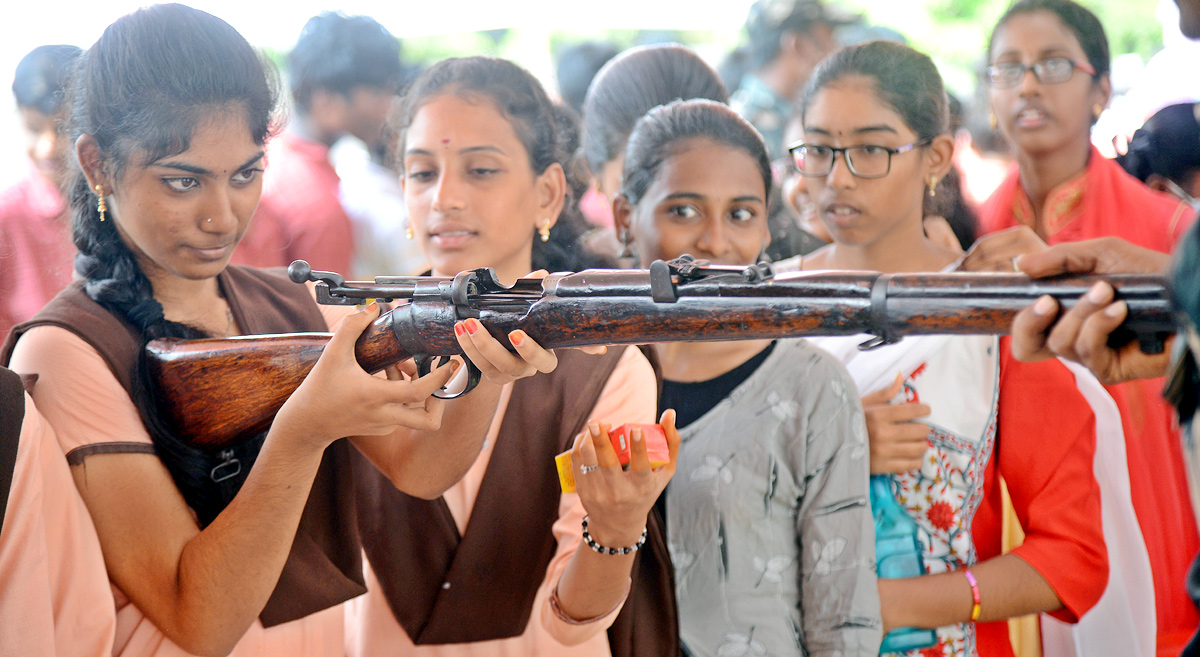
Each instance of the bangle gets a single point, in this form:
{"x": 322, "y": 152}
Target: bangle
{"x": 974, "y": 594}
{"x": 610, "y": 550}
{"x": 557, "y": 610}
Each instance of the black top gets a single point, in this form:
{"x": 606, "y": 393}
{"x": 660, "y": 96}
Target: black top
{"x": 692, "y": 400}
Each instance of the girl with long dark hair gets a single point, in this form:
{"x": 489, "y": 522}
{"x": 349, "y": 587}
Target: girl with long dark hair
{"x": 250, "y": 549}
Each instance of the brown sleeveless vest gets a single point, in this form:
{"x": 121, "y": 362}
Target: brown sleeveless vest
{"x": 446, "y": 588}
{"x": 12, "y": 416}
{"x": 324, "y": 567}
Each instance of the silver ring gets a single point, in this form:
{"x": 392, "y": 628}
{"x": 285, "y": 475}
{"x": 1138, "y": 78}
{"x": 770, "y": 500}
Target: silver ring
{"x": 588, "y": 469}
{"x": 1014, "y": 264}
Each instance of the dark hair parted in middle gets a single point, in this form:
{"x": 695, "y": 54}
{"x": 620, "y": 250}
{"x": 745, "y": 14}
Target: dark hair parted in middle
{"x": 539, "y": 124}
{"x": 663, "y": 130}
{"x": 1076, "y": 18}
{"x": 904, "y": 79}
{"x": 141, "y": 91}
{"x": 632, "y": 84}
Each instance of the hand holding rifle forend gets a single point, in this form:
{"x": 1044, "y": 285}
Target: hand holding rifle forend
{"x": 223, "y": 390}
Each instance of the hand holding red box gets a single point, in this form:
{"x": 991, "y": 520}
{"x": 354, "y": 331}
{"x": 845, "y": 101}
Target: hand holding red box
{"x": 622, "y": 442}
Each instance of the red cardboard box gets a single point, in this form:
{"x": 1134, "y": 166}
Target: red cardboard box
{"x": 656, "y": 443}
{"x": 622, "y": 442}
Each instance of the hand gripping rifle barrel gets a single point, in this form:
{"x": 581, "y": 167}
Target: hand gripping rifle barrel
{"x": 221, "y": 390}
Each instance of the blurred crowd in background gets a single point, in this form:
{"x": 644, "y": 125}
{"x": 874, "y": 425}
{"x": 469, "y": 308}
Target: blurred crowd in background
{"x": 553, "y": 41}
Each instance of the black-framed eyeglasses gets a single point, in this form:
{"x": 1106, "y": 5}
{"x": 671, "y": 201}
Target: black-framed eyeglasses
{"x": 865, "y": 161}
{"x": 1051, "y": 70}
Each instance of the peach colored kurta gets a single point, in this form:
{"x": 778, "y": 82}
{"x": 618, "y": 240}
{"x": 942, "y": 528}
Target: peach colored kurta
{"x": 54, "y": 595}
{"x": 85, "y": 404}
{"x": 629, "y": 396}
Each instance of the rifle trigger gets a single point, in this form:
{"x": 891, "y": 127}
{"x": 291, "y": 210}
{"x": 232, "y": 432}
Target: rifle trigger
{"x": 474, "y": 376}
{"x": 662, "y": 288}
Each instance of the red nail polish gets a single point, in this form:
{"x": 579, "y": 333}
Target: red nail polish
{"x": 458, "y": 329}
{"x": 472, "y": 326}
{"x": 515, "y": 338}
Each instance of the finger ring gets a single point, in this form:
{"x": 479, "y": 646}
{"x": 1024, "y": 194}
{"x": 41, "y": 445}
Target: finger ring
{"x": 588, "y": 469}
{"x": 1014, "y": 264}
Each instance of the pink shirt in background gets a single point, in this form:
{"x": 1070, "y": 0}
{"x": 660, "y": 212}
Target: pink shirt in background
{"x": 371, "y": 629}
{"x": 37, "y": 257}
{"x": 54, "y": 594}
{"x": 596, "y": 208}
{"x": 299, "y": 216}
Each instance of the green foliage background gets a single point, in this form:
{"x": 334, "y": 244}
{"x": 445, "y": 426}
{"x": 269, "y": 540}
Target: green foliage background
{"x": 955, "y": 32}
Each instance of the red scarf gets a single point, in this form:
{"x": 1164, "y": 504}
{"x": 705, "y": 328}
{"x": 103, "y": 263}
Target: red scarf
{"x": 1103, "y": 201}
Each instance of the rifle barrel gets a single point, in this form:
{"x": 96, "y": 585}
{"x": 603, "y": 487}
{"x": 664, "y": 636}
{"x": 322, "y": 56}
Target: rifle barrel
{"x": 222, "y": 390}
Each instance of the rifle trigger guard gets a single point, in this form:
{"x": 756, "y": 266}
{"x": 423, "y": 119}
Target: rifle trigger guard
{"x": 878, "y": 316}
{"x": 474, "y": 376}
{"x": 662, "y": 288}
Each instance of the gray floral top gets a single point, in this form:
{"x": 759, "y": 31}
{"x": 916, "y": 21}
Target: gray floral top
{"x": 768, "y": 516}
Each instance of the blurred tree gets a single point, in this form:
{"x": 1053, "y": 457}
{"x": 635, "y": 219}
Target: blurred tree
{"x": 955, "y": 32}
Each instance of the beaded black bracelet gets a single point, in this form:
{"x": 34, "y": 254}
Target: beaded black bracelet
{"x": 609, "y": 550}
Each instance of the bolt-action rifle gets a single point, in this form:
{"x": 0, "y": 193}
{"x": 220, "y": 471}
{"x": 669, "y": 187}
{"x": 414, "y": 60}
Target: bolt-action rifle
{"x": 220, "y": 391}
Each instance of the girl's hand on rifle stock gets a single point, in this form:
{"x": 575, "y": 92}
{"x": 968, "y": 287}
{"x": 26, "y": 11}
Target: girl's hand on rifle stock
{"x": 498, "y": 364}
{"x": 897, "y": 442}
{"x": 618, "y": 500}
{"x": 339, "y": 399}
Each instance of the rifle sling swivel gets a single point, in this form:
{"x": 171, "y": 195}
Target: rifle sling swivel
{"x": 878, "y": 315}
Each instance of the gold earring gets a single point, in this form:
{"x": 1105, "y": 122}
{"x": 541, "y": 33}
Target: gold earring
{"x": 1097, "y": 110}
{"x": 544, "y": 230}
{"x": 995, "y": 123}
{"x": 100, "y": 206}
{"x": 933, "y": 181}
{"x": 408, "y": 232}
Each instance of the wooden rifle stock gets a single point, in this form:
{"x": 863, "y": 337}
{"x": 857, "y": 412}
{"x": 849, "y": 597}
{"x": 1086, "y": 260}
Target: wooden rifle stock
{"x": 220, "y": 391}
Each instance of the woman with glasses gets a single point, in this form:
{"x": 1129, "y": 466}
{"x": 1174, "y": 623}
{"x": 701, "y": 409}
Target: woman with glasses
{"x": 952, "y": 420}
{"x": 1049, "y": 80}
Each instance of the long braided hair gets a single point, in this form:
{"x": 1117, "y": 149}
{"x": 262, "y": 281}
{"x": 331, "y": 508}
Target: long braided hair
{"x": 139, "y": 92}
